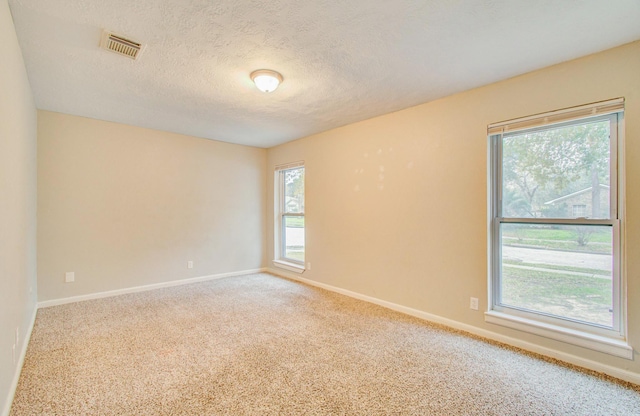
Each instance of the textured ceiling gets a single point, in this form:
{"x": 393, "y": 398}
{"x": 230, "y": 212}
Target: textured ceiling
{"x": 343, "y": 61}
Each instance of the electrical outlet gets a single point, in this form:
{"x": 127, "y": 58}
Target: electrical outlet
{"x": 69, "y": 277}
{"x": 308, "y": 265}
{"x": 473, "y": 303}
{"x": 190, "y": 264}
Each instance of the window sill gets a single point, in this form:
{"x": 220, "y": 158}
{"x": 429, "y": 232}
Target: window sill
{"x": 600, "y": 343}
{"x": 292, "y": 267}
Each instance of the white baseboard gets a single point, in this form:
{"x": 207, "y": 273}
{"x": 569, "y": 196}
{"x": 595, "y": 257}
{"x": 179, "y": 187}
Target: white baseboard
{"x": 18, "y": 369}
{"x": 117, "y": 292}
{"x": 619, "y": 373}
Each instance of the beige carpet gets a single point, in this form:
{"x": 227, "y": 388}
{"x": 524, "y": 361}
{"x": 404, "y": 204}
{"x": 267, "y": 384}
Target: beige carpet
{"x": 262, "y": 345}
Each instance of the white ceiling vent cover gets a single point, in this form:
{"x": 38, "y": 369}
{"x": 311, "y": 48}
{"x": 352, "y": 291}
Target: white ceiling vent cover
{"x": 121, "y": 45}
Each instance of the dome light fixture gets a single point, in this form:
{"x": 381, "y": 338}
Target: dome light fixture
{"x": 266, "y": 80}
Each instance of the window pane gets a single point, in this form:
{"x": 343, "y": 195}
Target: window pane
{"x": 558, "y": 270}
{"x": 294, "y": 237}
{"x": 294, "y": 190}
{"x": 561, "y": 172}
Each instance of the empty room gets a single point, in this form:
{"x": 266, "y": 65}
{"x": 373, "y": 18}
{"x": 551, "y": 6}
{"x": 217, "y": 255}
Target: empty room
{"x": 417, "y": 207}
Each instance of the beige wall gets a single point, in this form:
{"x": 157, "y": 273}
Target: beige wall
{"x": 17, "y": 202}
{"x": 396, "y": 206}
{"x": 123, "y": 206}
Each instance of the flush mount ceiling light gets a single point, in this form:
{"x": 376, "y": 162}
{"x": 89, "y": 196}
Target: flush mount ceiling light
{"x": 266, "y": 80}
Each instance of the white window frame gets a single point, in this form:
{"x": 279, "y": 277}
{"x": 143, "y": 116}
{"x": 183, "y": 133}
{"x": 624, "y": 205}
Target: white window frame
{"x": 280, "y": 259}
{"x": 609, "y": 340}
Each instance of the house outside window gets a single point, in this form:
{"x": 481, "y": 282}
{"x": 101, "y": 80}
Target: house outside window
{"x": 580, "y": 210}
{"x": 555, "y": 252}
{"x": 580, "y": 203}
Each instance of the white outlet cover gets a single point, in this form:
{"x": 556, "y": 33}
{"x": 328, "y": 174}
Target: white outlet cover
{"x": 190, "y": 264}
{"x": 473, "y": 303}
{"x": 69, "y": 277}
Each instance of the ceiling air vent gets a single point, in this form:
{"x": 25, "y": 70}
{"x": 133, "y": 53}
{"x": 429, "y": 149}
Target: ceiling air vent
{"x": 121, "y": 45}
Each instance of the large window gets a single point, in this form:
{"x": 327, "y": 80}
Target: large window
{"x": 555, "y": 223}
{"x": 290, "y": 236}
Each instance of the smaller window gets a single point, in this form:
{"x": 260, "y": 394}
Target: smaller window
{"x": 290, "y": 231}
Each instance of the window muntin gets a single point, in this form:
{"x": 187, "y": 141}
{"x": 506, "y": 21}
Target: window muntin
{"x": 551, "y": 261}
{"x": 291, "y": 218}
